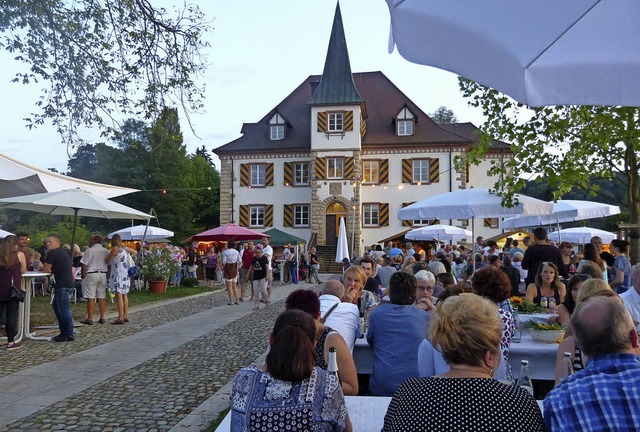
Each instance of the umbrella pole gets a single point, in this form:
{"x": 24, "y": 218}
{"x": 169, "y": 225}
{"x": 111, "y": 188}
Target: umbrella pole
{"x": 73, "y": 229}
{"x": 473, "y": 244}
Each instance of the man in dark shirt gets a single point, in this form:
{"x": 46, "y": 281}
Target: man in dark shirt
{"x": 512, "y": 273}
{"x": 58, "y": 262}
{"x": 541, "y": 252}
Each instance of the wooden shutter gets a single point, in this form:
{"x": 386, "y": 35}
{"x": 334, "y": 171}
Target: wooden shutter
{"x": 321, "y": 168}
{"x": 407, "y": 171}
{"x": 288, "y": 215}
{"x": 383, "y": 215}
{"x": 288, "y": 173}
{"x": 434, "y": 170}
{"x": 363, "y": 126}
{"x": 268, "y": 174}
{"x": 348, "y": 120}
{"x": 407, "y": 223}
{"x": 243, "y": 220}
{"x": 268, "y": 215}
{"x": 383, "y": 171}
{"x": 322, "y": 122}
{"x": 245, "y": 179}
{"x": 349, "y": 165}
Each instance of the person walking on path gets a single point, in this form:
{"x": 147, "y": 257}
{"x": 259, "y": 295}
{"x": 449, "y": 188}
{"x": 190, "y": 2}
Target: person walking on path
{"x": 314, "y": 266}
{"x": 11, "y": 261}
{"x": 94, "y": 279}
{"x": 231, "y": 262}
{"x": 260, "y": 266}
{"x": 119, "y": 281}
{"x": 245, "y": 272}
{"x": 58, "y": 262}
{"x": 268, "y": 252}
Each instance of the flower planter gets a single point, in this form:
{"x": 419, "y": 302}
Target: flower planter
{"x": 157, "y": 287}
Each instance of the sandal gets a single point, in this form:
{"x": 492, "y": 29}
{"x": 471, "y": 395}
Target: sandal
{"x": 117, "y": 322}
{"x": 125, "y": 319}
{"x": 86, "y": 322}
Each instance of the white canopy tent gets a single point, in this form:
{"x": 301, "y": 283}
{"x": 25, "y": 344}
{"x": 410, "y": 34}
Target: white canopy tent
{"x": 581, "y": 235}
{"x": 438, "y": 233}
{"x": 563, "y": 211}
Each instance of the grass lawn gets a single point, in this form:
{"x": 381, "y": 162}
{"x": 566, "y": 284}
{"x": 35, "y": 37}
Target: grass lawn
{"x": 42, "y": 313}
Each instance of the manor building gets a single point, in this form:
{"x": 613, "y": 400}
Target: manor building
{"x": 346, "y": 145}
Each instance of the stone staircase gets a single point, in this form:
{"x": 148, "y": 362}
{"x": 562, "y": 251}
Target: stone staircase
{"x": 326, "y": 258}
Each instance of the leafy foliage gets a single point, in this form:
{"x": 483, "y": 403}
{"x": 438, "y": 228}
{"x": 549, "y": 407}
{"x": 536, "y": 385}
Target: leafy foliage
{"x": 443, "y": 115}
{"x": 97, "y": 60}
{"x": 159, "y": 264}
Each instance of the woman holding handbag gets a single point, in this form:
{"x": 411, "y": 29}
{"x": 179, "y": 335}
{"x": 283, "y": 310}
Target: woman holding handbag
{"x": 11, "y": 263}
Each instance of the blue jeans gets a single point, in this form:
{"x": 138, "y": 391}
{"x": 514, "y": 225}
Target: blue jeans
{"x": 62, "y": 309}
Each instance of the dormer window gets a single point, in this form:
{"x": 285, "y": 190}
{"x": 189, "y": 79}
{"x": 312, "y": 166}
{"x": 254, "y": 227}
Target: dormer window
{"x": 277, "y": 128}
{"x": 336, "y": 121}
{"x": 405, "y": 122}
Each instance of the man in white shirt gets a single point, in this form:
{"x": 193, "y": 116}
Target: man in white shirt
{"x": 94, "y": 279}
{"x": 631, "y": 297}
{"x": 268, "y": 252}
{"x": 231, "y": 264}
{"x": 344, "y": 318}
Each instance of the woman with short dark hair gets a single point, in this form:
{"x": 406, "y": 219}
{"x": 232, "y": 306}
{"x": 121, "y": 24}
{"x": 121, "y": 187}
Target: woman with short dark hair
{"x": 288, "y": 392}
{"x": 11, "y": 261}
{"x": 621, "y": 266}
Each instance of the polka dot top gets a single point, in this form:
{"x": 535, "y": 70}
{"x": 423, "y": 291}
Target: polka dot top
{"x": 461, "y": 404}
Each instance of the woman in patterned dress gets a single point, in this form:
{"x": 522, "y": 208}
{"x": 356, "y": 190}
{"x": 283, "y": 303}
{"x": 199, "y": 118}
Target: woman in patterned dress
{"x": 288, "y": 392}
{"x": 119, "y": 281}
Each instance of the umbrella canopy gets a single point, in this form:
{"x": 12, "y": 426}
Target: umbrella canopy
{"x": 581, "y": 235}
{"x": 18, "y": 178}
{"x": 281, "y": 238}
{"x": 342, "y": 249}
{"x": 563, "y": 211}
{"x": 138, "y": 232}
{"x": 438, "y": 233}
{"x": 4, "y": 233}
{"x": 539, "y": 52}
{"x": 73, "y": 202}
{"x": 469, "y": 204}
{"x": 228, "y": 232}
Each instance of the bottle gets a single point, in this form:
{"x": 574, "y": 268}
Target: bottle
{"x": 567, "y": 369}
{"x": 332, "y": 366}
{"x": 543, "y": 302}
{"x": 553, "y": 310}
{"x": 524, "y": 380}
{"x": 572, "y": 269}
{"x": 361, "y": 325}
{"x": 517, "y": 334}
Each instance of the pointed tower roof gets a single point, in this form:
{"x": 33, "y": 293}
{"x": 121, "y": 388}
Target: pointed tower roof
{"x": 336, "y": 85}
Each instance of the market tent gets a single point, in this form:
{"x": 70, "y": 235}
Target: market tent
{"x": 281, "y": 238}
{"x": 228, "y": 232}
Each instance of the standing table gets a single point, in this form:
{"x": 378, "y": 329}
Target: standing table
{"x": 24, "y": 319}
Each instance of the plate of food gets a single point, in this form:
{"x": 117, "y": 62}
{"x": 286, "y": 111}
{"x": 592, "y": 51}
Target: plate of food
{"x": 547, "y": 332}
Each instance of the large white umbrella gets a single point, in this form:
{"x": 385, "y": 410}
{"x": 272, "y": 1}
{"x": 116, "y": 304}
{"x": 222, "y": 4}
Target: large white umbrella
{"x": 438, "y": 233}
{"x": 563, "y": 211}
{"x": 342, "y": 250}
{"x": 581, "y": 235}
{"x": 539, "y": 52}
{"x": 73, "y": 202}
{"x": 140, "y": 232}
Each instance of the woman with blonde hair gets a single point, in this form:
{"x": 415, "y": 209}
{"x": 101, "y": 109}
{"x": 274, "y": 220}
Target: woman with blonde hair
{"x": 354, "y": 280}
{"x": 119, "y": 280}
{"x": 468, "y": 330}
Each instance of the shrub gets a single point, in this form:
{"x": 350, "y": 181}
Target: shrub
{"x": 189, "y": 282}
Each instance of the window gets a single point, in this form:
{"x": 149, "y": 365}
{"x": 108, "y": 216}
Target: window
{"x": 257, "y": 174}
{"x": 404, "y": 122}
{"x": 335, "y": 167}
{"x": 336, "y": 122}
{"x": 256, "y": 216}
{"x": 301, "y": 173}
{"x": 491, "y": 222}
{"x": 425, "y": 222}
{"x": 370, "y": 170}
{"x": 421, "y": 171}
{"x": 277, "y": 132}
{"x": 301, "y": 215}
{"x": 370, "y": 214}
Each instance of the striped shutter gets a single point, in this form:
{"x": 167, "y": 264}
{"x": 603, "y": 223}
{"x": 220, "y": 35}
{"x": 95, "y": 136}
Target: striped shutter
{"x": 407, "y": 171}
{"x": 348, "y": 120}
{"x": 245, "y": 179}
{"x": 288, "y": 215}
{"x": 383, "y": 215}
{"x": 466, "y": 171}
{"x": 322, "y": 122}
{"x": 407, "y": 223}
{"x": 268, "y": 174}
{"x": 268, "y": 215}
{"x": 321, "y": 168}
{"x": 434, "y": 170}
{"x": 243, "y": 220}
{"x": 363, "y": 126}
{"x": 288, "y": 173}
{"x": 349, "y": 166}
{"x": 383, "y": 171}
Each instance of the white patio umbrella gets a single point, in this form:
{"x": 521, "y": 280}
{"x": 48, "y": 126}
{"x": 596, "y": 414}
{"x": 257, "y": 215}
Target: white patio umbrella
{"x": 73, "y": 202}
{"x": 342, "y": 250}
{"x": 438, "y": 233}
{"x": 539, "y": 52}
{"x": 563, "y": 211}
{"x": 581, "y": 235}
{"x": 140, "y": 232}
{"x": 4, "y": 233}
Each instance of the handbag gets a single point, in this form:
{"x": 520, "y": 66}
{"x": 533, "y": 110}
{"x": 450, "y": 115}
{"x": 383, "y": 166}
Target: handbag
{"x": 17, "y": 294}
{"x": 133, "y": 269}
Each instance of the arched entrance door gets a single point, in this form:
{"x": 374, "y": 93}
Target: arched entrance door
{"x": 332, "y": 222}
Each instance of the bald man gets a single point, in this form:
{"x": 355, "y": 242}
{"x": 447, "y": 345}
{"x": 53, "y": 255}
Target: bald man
{"x": 344, "y": 317}
{"x": 606, "y": 394}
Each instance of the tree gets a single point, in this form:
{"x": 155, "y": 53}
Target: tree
{"x": 568, "y": 145}
{"x": 443, "y": 115}
{"x": 98, "y": 59}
